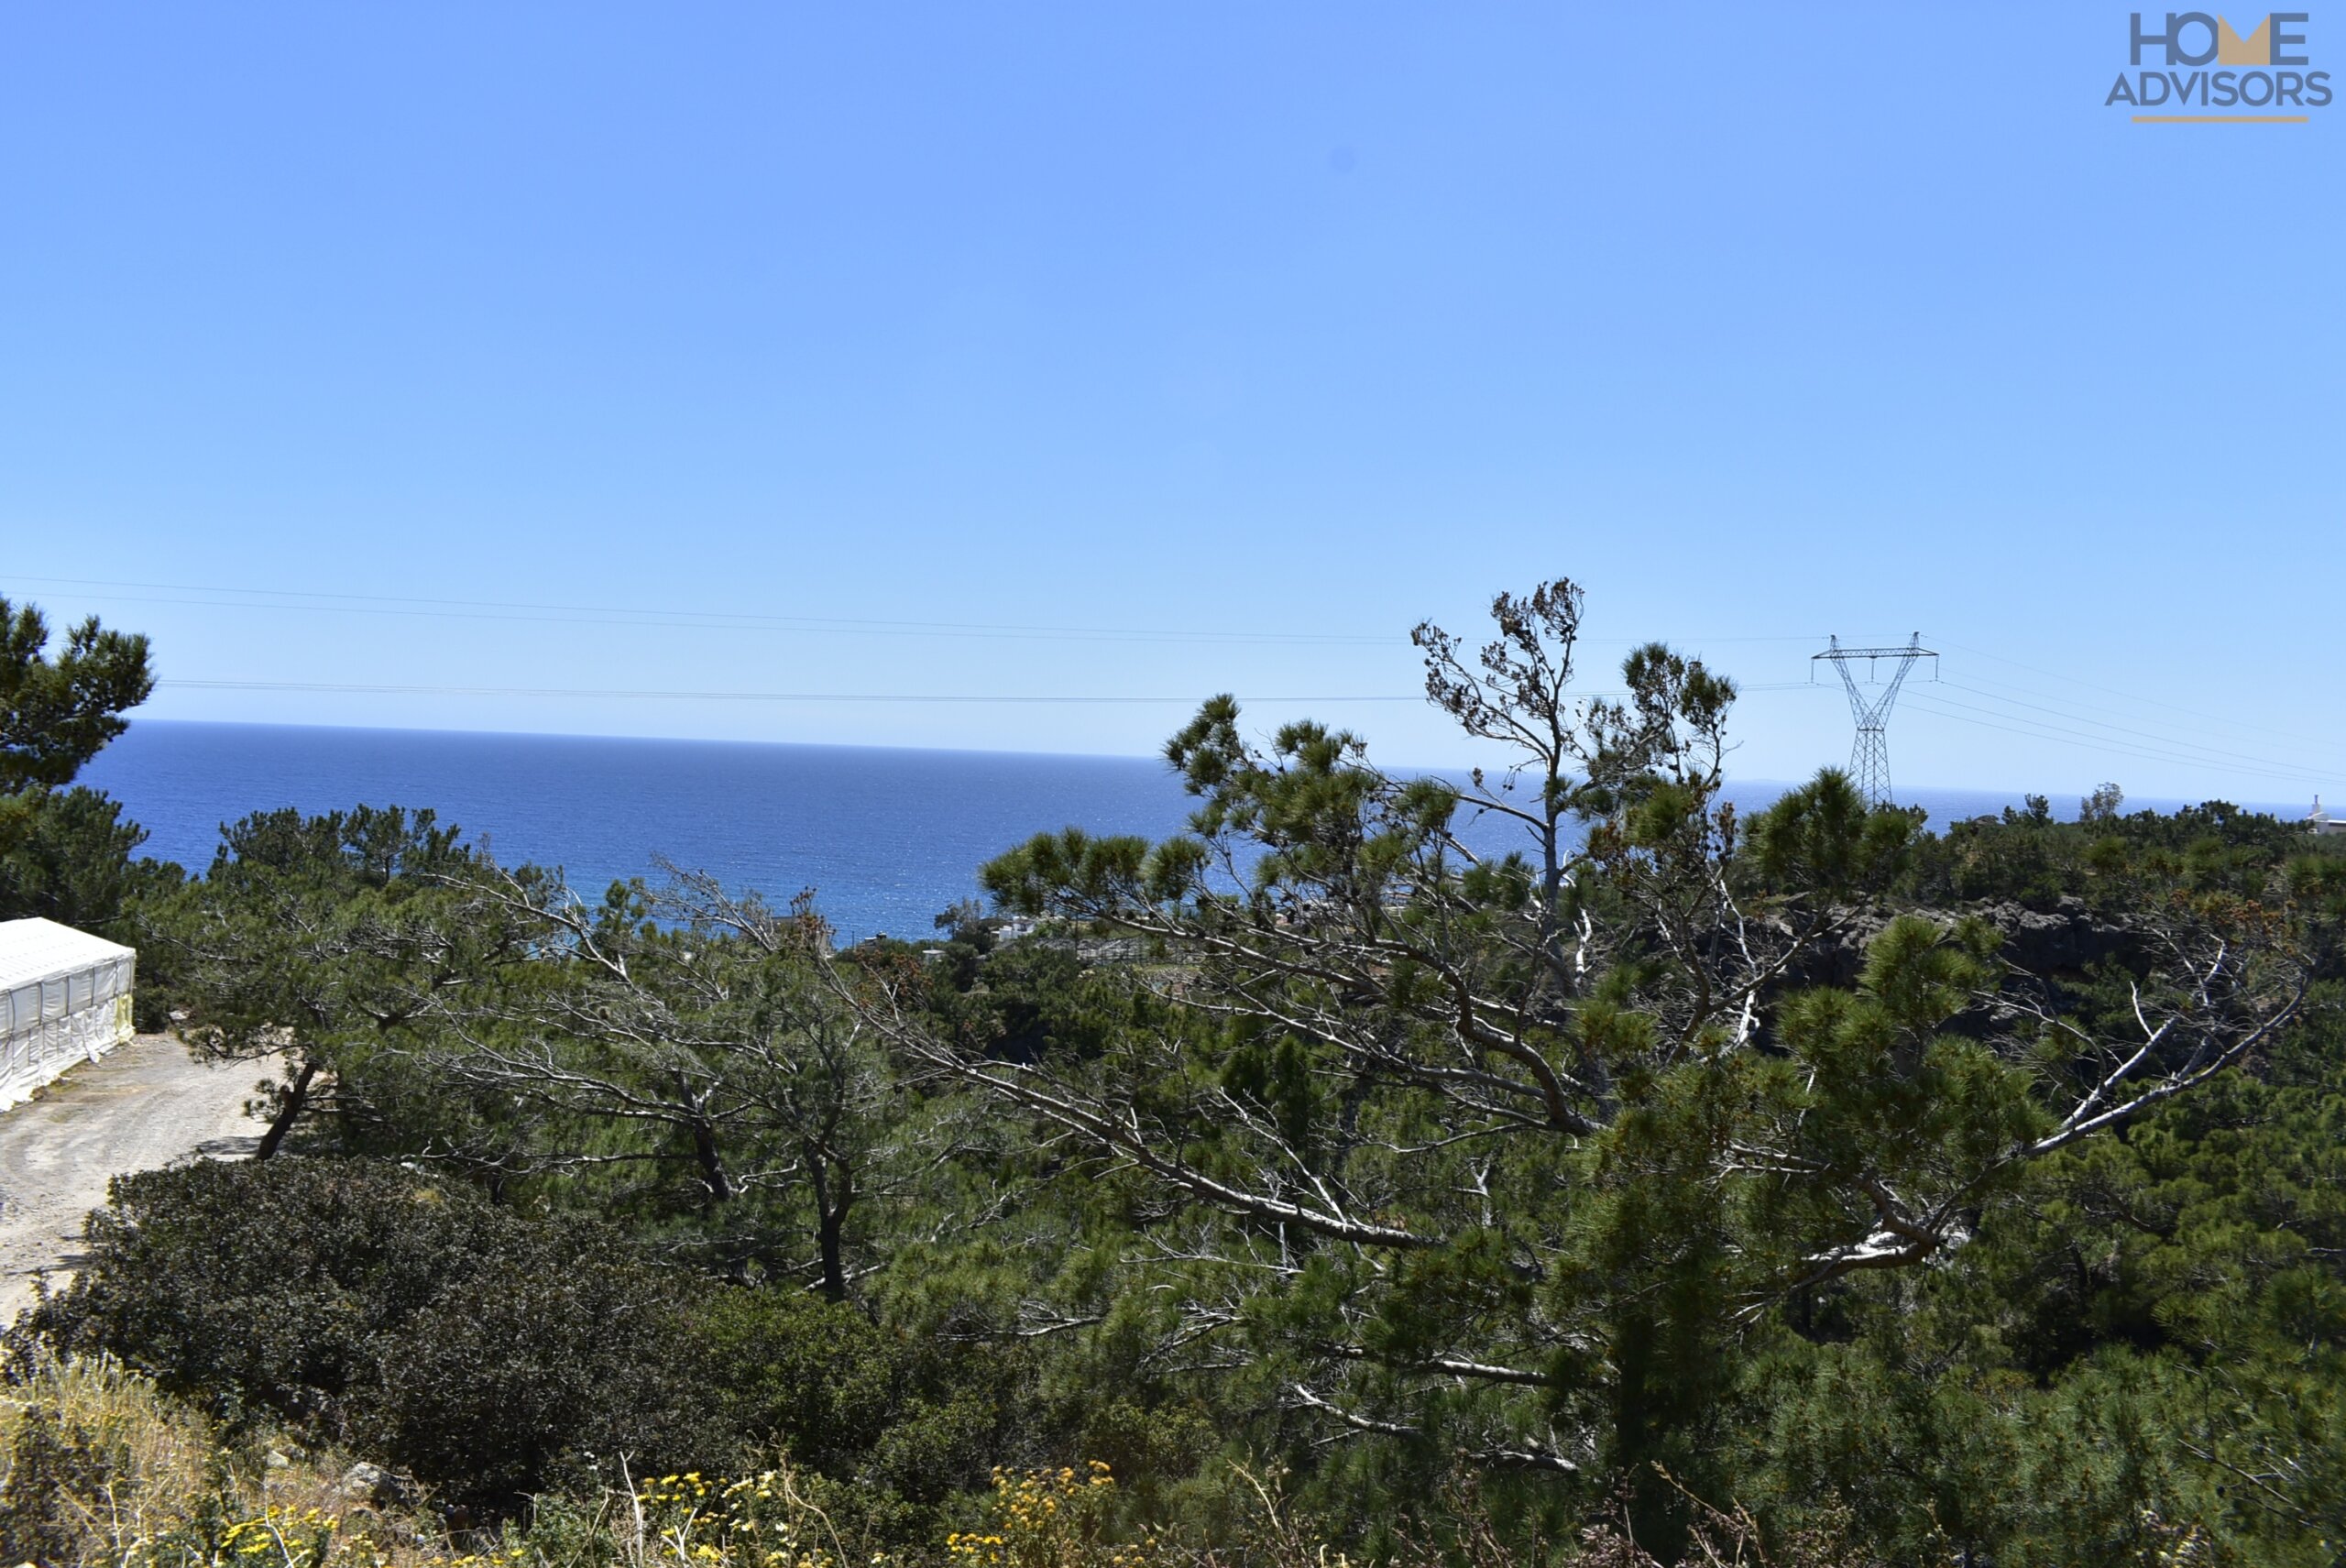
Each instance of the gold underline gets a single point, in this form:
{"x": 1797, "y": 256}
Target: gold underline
{"x": 2220, "y": 120}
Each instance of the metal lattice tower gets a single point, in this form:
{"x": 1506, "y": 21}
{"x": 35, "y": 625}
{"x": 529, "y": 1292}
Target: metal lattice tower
{"x": 1871, "y": 703}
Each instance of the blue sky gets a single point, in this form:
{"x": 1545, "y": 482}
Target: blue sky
{"x": 1271, "y": 329}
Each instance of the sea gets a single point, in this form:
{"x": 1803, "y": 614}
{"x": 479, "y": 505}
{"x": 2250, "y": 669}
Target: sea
{"x": 887, "y": 837}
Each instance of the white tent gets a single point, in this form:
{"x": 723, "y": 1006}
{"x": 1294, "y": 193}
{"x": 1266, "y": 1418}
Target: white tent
{"x": 64, "y": 997}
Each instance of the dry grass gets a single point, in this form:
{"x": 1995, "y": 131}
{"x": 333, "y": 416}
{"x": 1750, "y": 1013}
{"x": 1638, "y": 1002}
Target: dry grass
{"x": 93, "y": 1466}
{"x": 97, "y": 1469}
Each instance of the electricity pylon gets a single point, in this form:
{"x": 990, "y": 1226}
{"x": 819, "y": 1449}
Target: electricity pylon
{"x": 1869, "y": 758}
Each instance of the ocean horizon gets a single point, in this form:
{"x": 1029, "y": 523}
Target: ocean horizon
{"x": 886, "y": 836}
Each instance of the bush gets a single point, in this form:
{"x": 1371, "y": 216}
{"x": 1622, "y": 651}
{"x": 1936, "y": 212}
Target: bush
{"x": 528, "y": 1372}
{"x": 792, "y": 1370}
{"x": 478, "y": 1348}
{"x": 887, "y": 1429}
{"x": 494, "y": 1353}
{"x": 261, "y": 1290}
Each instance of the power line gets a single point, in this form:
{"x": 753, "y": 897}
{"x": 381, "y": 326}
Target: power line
{"x": 687, "y": 621}
{"x": 2176, "y": 732}
{"x": 2129, "y": 697}
{"x": 424, "y": 689}
{"x": 2070, "y": 737}
{"x": 2221, "y": 752}
{"x": 725, "y": 621}
{"x": 2036, "y": 731}
{"x": 1870, "y": 762}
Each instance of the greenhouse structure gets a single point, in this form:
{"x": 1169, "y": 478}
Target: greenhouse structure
{"x": 64, "y": 997}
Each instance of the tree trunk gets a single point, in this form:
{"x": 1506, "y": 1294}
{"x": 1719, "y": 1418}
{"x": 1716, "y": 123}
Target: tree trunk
{"x": 297, "y": 1095}
{"x": 714, "y": 1180}
{"x": 830, "y": 1222}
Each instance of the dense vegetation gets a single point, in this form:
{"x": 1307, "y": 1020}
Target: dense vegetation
{"x": 1807, "y": 1184}
{"x": 66, "y": 853}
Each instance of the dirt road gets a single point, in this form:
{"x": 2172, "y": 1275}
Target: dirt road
{"x": 144, "y": 1104}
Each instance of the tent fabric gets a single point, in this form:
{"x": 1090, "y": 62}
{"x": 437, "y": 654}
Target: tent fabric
{"x": 64, "y": 997}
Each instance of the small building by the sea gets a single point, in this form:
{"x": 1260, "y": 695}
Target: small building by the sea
{"x": 64, "y": 997}
{"x": 2319, "y": 820}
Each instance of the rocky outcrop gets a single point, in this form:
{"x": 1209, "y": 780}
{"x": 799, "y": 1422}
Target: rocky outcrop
{"x": 2062, "y": 941}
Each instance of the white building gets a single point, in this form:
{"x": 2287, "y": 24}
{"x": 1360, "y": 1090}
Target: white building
{"x": 64, "y": 997}
{"x": 2319, "y": 821}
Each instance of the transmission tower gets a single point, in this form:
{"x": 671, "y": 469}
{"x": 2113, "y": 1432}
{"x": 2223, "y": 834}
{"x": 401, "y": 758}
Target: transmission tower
{"x": 1870, "y": 702}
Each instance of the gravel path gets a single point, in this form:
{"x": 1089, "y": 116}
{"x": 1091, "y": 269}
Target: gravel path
{"x": 144, "y": 1104}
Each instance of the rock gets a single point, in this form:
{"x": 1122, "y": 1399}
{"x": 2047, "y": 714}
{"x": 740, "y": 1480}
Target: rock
{"x": 373, "y": 1485}
{"x": 2054, "y": 945}
{"x": 1837, "y": 960}
{"x": 277, "y": 1461}
{"x": 2062, "y": 940}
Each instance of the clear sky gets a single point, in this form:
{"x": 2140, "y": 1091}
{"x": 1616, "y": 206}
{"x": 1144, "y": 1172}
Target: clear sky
{"x": 801, "y": 349}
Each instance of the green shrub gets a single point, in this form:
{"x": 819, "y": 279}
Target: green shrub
{"x": 259, "y": 1291}
{"x": 476, "y": 1347}
{"x": 529, "y": 1371}
{"x": 493, "y": 1353}
{"x": 789, "y": 1369}
{"x": 886, "y": 1428}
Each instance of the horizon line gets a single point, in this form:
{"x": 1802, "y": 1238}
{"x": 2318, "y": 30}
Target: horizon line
{"x": 1405, "y": 768}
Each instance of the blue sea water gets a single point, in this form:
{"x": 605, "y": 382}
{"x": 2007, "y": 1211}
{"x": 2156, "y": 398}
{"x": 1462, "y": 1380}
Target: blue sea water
{"x": 887, "y": 837}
